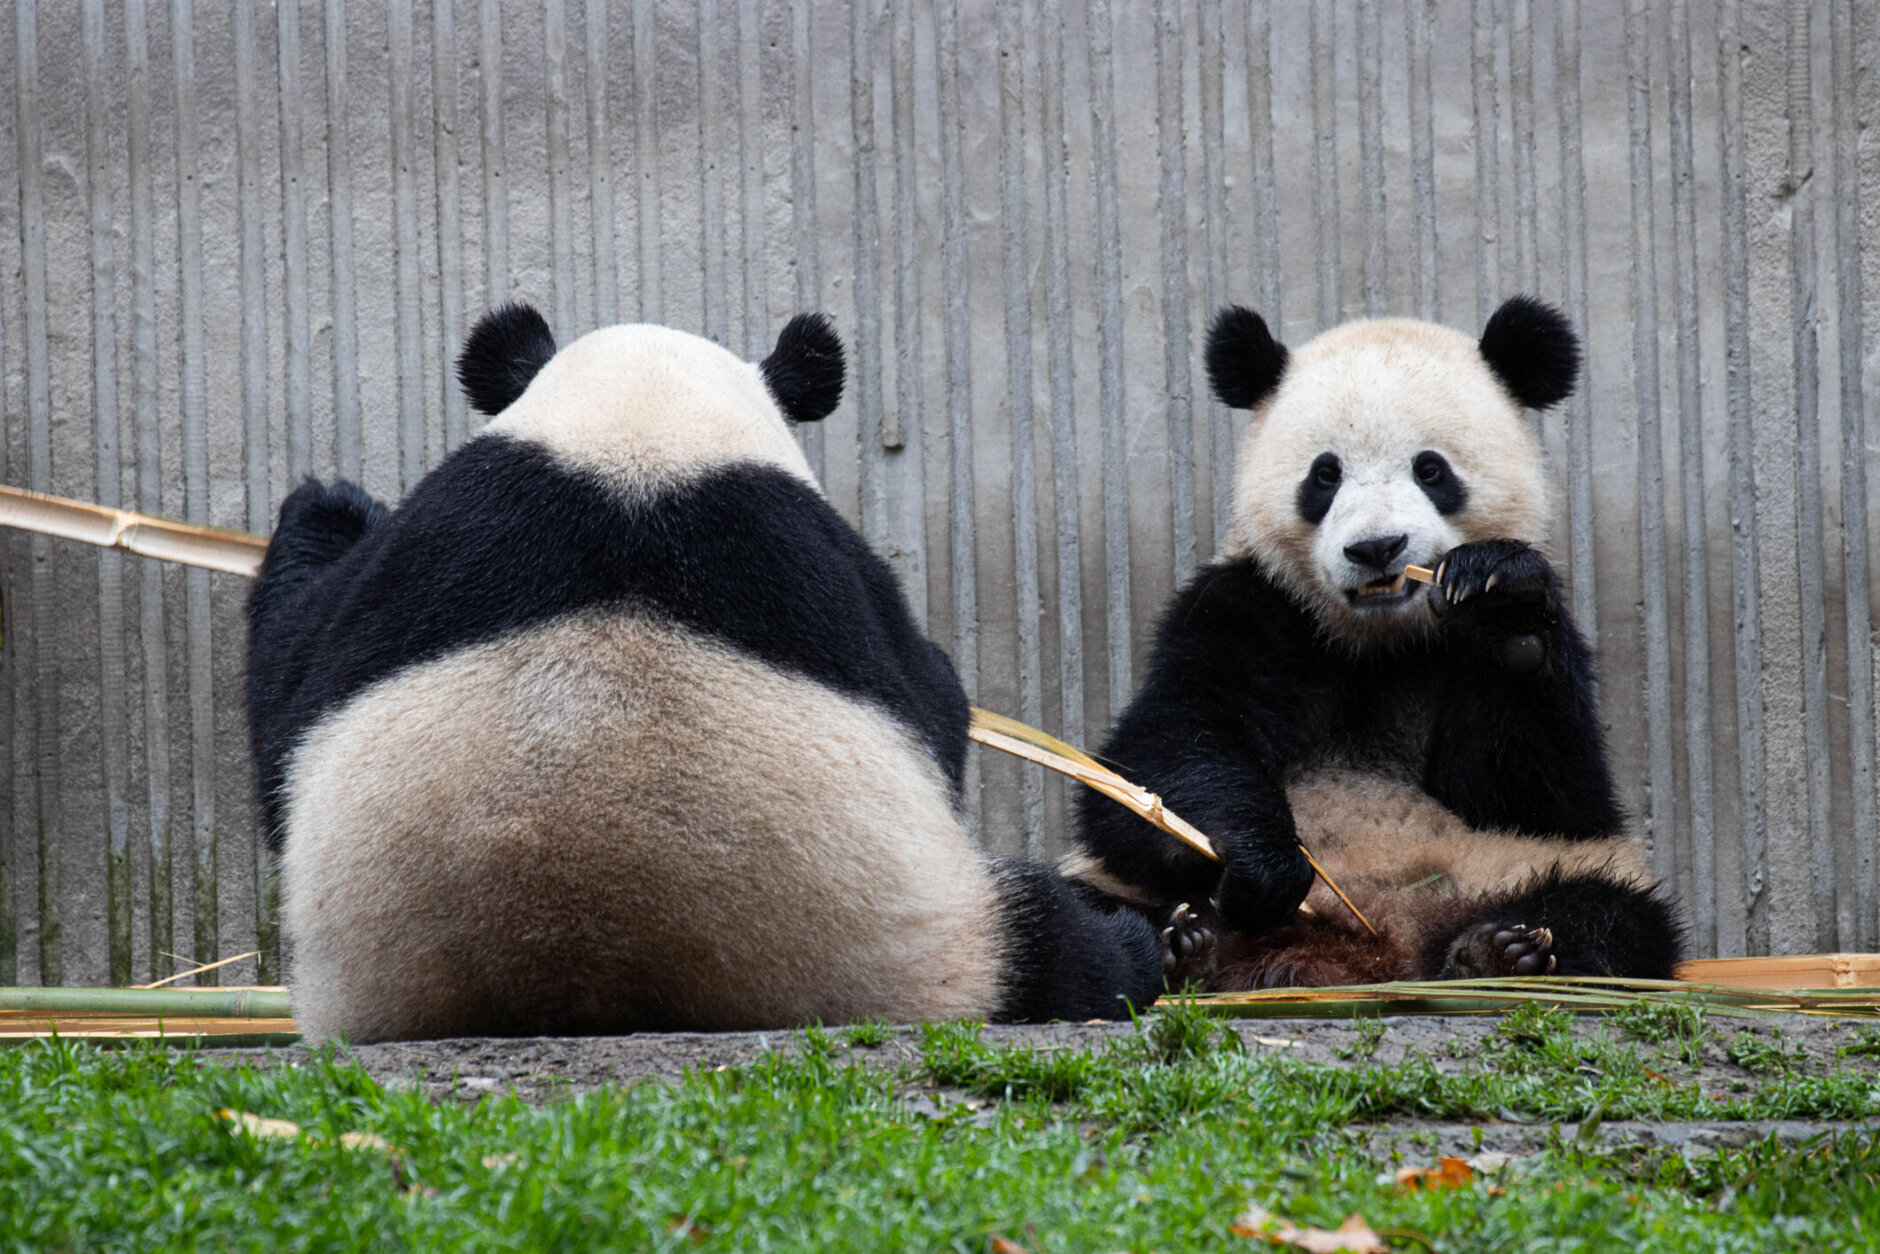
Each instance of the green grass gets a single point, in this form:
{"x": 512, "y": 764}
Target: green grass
{"x": 1155, "y": 1142}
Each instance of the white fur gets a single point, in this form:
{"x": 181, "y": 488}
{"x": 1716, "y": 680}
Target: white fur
{"x": 648, "y": 406}
{"x": 608, "y": 824}
{"x": 1377, "y": 393}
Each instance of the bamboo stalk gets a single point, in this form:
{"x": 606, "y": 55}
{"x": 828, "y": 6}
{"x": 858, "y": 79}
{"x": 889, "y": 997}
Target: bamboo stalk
{"x": 227, "y": 1003}
{"x": 1021, "y": 740}
{"x": 236, "y": 552}
{"x": 1495, "y": 995}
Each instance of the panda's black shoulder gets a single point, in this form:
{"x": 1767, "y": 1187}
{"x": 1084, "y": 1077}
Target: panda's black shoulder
{"x": 1229, "y": 616}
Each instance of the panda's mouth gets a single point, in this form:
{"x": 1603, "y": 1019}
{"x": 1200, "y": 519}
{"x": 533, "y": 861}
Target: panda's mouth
{"x": 1390, "y": 590}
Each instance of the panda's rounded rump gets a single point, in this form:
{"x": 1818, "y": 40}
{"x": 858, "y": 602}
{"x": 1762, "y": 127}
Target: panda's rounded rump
{"x": 514, "y": 835}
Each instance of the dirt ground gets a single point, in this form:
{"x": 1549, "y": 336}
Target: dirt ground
{"x": 550, "y": 1068}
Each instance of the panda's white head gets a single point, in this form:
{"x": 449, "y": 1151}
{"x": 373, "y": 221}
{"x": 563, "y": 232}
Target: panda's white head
{"x": 1385, "y": 443}
{"x": 647, "y": 406}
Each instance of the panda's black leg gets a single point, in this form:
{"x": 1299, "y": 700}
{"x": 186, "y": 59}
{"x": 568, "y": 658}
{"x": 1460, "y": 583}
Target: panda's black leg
{"x": 1580, "y": 924}
{"x": 1066, "y": 958}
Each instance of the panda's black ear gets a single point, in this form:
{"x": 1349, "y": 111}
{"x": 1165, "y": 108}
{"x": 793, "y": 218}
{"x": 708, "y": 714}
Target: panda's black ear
{"x": 1533, "y": 351}
{"x": 507, "y": 348}
{"x": 1245, "y": 362}
{"x": 804, "y": 372}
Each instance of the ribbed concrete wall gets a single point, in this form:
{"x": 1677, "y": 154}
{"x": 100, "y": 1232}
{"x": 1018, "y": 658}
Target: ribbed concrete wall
{"x": 239, "y": 242}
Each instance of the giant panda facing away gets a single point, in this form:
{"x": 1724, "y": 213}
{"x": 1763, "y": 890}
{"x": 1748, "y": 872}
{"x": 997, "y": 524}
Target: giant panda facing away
{"x": 614, "y": 724}
{"x": 1437, "y": 748}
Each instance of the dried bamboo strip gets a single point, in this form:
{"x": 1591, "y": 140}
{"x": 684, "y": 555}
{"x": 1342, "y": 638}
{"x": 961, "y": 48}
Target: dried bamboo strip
{"x": 235, "y": 552}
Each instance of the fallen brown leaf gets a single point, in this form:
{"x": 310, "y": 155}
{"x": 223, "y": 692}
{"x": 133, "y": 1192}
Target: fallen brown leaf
{"x": 1449, "y": 1173}
{"x": 1005, "y": 1245}
{"x": 1354, "y": 1236}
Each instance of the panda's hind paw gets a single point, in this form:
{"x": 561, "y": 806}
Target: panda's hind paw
{"x": 1489, "y": 950}
{"x": 1190, "y": 948}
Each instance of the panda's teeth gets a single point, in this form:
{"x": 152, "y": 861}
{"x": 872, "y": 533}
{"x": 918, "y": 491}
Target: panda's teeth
{"x": 1383, "y": 587}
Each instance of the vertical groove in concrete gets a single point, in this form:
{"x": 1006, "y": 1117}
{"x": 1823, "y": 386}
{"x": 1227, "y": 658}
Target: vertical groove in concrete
{"x": 1214, "y": 223}
{"x": 14, "y": 755}
{"x": 1016, "y": 263}
{"x": 1753, "y": 832}
{"x": 452, "y": 317}
{"x": 43, "y": 658}
{"x": 866, "y": 337}
{"x": 601, "y": 167}
{"x": 254, "y": 371}
{"x": 1109, "y": 249}
{"x": 1700, "y": 829}
{"x": 803, "y": 231}
{"x": 1425, "y": 279}
{"x": 646, "y": 158}
{"x": 495, "y": 156}
{"x": 1173, "y": 218}
{"x": 1486, "y": 136}
{"x": 1371, "y": 152}
{"x": 1327, "y": 221}
{"x": 559, "y": 159}
{"x": 113, "y": 689}
{"x": 751, "y": 248}
{"x": 905, "y": 427}
{"x": 298, "y": 345}
{"x": 1521, "y": 118}
{"x": 1830, "y": 932}
{"x": 254, "y": 288}
{"x": 347, "y": 454}
{"x": 1661, "y": 817}
{"x": 1057, "y": 299}
{"x": 959, "y": 369}
{"x": 710, "y": 176}
{"x": 197, "y": 586}
{"x": 1856, "y": 572}
{"x": 407, "y": 292}
{"x": 1266, "y": 266}
{"x": 1579, "y": 411}
{"x": 146, "y": 405}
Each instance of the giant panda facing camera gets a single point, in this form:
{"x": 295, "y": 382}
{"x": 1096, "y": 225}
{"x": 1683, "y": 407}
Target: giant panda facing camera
{"x": 614, "y": 724}
{"x": 1437, "y": 748}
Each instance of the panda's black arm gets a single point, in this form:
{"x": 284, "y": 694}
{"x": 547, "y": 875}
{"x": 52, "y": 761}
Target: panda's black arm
{"x": 1523, "y": 752}
{"x": 1211, "y": 733}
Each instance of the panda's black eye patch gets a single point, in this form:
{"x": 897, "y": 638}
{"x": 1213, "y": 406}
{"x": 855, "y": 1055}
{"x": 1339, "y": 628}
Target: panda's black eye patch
{"x": 1319, "y": 487}
{"x": 1439, "y": 482}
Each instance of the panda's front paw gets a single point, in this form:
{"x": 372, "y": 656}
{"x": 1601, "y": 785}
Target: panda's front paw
{"x": 1189, "y": 949}
{"x": 1504, "y": 592}
{"x": 1489, "y": 950}
{"x": 1262, "y": 886}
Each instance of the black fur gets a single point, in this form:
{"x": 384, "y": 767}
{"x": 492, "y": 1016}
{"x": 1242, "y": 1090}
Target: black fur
{"x": 1533, "y": 351}
{"x": 1065, "y": 956}
{"x": 1319, "y": 487}
{"x": 804, "y": 372}
{"x": 1243, "y": 690}
{"x": 1439, "y": 482}
{"x": 1599, "y": 926}
{"x": 1245, "y": 362}
{"x": 505, "y": 351}
{"x": 750, "y": 555}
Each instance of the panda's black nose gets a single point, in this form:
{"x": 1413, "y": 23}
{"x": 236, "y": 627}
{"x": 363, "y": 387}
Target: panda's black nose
{"x": 1376, "y": 552}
